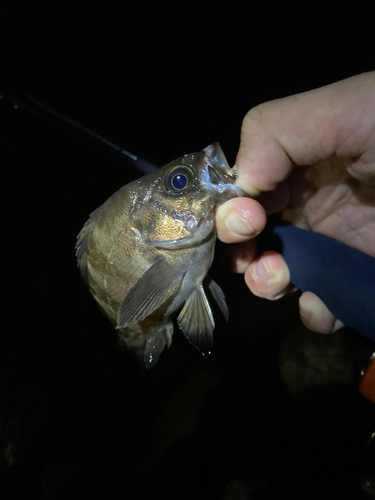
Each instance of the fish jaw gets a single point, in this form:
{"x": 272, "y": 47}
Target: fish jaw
{"x": 217, "y": 177}
{"x": 200, "y": 231}
{"x": 221, "y": 191}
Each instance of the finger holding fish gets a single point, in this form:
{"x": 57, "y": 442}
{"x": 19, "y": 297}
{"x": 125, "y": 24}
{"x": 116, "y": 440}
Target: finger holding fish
{"x": 239, "y": 219}
{"x": 268, "y": 276}
{"x": 266, "y": 273}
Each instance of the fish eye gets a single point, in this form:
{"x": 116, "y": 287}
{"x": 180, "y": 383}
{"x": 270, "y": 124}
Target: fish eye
{"x": 179, "y": 179}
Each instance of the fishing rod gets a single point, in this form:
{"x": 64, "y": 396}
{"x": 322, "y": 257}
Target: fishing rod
{"x": 72, "y": 127}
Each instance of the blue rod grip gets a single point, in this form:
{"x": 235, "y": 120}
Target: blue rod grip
{"x": 344, "y": 278}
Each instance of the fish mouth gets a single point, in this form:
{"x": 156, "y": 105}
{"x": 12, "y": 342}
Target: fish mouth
{"x": 224, "y": 188}
{"x": 201, "y": 231}
{"x": 218, "y": 177}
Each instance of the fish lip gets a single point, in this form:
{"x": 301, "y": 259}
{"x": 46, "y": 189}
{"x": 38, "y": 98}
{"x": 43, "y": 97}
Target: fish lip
{"x": 218, "y": 177}
{"x": 222, "y": 191}
{"x": 227, "y": 188}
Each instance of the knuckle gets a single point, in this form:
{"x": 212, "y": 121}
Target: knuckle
{"x": 254, "y": 118}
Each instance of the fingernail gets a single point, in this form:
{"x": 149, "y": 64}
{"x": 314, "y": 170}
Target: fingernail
{"x": 262, "y": 272}
{"x": 305, "y": 313}
{"x": 238, "y": 225}
{"x": 279, "y": 296}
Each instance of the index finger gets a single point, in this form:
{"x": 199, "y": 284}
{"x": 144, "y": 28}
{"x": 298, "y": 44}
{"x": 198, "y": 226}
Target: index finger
{"x": 301, "y": 130}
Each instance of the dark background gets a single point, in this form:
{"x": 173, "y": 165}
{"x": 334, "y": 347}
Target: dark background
{"x": 275, "y": 411}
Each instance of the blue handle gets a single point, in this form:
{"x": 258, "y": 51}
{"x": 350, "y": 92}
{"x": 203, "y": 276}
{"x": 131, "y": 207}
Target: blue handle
{"x": 344, "y": 278}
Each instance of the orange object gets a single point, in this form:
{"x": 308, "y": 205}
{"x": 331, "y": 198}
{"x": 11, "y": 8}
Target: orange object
{"x": 367, "y": 384}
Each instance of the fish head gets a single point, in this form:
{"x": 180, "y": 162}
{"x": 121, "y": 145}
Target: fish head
{"x": 175, "y": 208}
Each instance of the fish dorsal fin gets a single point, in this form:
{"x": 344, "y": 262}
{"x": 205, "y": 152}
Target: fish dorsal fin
{"x": 82, "y": 244}
{"x": 218, "y": 295}
{"x": 196, "y": 321}
{"x": 156, "y": 285}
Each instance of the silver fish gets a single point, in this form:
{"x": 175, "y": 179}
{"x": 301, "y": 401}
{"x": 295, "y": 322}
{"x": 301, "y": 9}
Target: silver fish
{"x": 145, "y": 252}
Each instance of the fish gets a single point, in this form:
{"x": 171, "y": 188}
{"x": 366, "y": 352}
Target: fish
{"x": 145, "y": 253}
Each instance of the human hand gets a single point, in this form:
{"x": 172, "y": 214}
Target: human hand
{"x": 311, "y": 156}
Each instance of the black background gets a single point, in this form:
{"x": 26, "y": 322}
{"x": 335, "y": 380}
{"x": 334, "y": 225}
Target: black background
{"x": 78, "y": 418}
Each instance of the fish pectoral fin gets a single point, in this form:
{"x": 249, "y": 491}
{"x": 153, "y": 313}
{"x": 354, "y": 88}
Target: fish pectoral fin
{"x": 196, "y": 321}
{"x": 156, "y": 285}
{"x": 156, "y": 344}
{"x": 218, "y": 295}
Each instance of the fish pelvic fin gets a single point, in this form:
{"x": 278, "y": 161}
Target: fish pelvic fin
{"x": 147, "y": 347}
{"x": 218, "y": 296}
{"x": 157, "y": 284}
{"x": 196, "y": 321}
{"x": 155, "y": 345}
